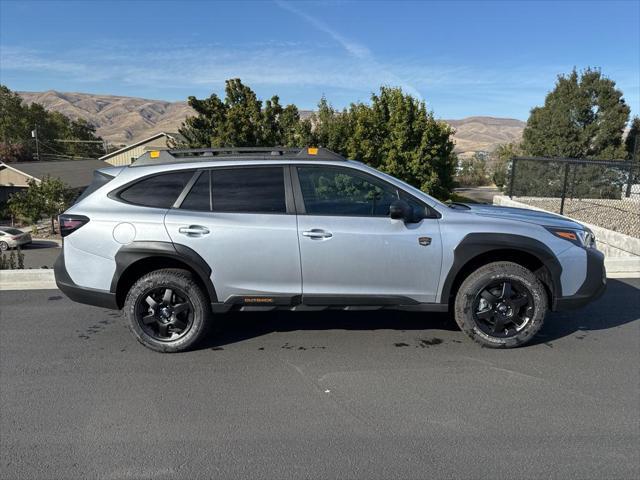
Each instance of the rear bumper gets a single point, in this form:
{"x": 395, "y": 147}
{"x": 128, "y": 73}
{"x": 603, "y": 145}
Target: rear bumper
{"x": 593, "y": 287}
{"x": 89, "y": 296}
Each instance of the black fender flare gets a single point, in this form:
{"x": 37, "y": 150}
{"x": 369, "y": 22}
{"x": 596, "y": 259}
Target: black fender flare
{"x": 476, "y": 244}
{"x": 133, "y": 252}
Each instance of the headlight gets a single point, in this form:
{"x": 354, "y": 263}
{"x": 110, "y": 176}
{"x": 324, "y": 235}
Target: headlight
{"x": 582, "y": 238}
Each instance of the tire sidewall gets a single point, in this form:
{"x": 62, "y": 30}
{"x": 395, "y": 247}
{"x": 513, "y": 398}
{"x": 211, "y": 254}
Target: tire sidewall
{"x": 496, "y": 272}
{"x": 174, "y": 279}
{"x": 4, "y": 246}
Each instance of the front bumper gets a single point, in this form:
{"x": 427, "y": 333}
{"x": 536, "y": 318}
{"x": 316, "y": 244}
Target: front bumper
{"x": 593, "y": 287}
{"x": 89, "y": 296}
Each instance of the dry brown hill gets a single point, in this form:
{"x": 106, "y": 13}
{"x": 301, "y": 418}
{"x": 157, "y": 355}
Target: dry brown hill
{"x": 124, "y": 120}
{"x": 120, "y": 120}
{"x": 485, "y": 133}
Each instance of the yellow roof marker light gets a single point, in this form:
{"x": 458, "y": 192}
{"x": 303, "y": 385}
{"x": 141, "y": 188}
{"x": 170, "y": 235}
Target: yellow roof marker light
{"x": 156, "y": 156}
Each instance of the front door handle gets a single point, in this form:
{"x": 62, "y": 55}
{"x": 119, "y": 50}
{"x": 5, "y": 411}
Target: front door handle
{"x": 317, "y": 233}
{"x": 194, "y": 231}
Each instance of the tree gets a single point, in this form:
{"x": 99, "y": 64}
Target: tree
{"x": 56, "y": 196}
{"x": 241, "y": 120}
{"x": 583, "y": 117}
{"x": 49, "y": 196}
{"x": 17, "y": 121}
{"x": 12, "y": 119}
{"x": 27, "y": 203}
{"x": 394, "y": 133}
{"x": 633, "y": 140}
{"x": 500, "y": 162}
{"x": 473, "y": 171}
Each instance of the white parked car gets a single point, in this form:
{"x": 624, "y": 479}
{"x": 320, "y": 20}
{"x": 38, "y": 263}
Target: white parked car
{"x": 13, "y": 238}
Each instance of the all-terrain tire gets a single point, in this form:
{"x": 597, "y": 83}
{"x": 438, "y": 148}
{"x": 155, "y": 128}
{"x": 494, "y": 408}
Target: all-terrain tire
{"x": 186, "y": 290}
{"x": 475, "y": 285}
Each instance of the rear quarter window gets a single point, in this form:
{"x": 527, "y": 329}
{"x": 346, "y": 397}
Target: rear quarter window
{"x": 99, "y": 180}
{"x": 159, "y": 191}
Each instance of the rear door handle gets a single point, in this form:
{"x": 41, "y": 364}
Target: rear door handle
{"x": 194, "y": 231}
{"x": 317, "y": 233}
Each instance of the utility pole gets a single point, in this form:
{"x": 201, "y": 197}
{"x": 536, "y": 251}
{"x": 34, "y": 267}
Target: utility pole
{"x": 34, "y": 134}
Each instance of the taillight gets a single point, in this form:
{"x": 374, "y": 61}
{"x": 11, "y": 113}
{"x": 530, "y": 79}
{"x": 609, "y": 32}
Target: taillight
{"x": 71, "y": 223}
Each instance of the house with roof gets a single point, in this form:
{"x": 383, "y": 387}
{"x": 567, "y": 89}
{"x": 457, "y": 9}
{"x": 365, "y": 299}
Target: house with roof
{"x": 128, "y": 154}
{"x": 77, "y": 174}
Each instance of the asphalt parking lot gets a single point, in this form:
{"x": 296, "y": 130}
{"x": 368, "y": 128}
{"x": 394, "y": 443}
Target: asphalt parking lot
{"x": 323, "y": 395}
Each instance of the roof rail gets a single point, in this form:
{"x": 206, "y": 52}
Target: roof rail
{"x": 158, "y": 157}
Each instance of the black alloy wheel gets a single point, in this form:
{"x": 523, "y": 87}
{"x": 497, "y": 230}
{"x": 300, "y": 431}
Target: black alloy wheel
{"x": 503, "y": 308}
{"x": 164, "y": 314}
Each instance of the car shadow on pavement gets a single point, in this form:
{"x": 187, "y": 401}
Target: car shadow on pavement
{"x": 618, "y": 306}
{"x": 37, "y": 244}
{"x": 239, "y": 326}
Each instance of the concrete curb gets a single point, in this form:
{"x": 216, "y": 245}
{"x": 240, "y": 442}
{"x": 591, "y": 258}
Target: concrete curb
{"x": 41, "y": 279}
{"x": 29, "y": 279}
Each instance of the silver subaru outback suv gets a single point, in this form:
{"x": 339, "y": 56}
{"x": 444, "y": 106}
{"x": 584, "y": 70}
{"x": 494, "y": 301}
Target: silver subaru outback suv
{"x": 180, "y": 236}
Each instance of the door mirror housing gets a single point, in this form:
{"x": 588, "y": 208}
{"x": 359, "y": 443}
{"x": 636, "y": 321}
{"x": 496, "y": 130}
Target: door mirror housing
{"x": 400, "y": 210}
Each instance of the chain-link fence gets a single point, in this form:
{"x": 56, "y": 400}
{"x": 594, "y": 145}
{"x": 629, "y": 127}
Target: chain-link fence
{"x": 603, "y": 193}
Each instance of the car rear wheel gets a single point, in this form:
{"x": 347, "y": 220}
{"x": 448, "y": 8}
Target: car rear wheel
{"x": 501, "y": 305}
{"x": 167, "y": 310}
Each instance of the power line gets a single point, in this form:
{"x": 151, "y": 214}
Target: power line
{"x": 104, "y": 143}
{"x": 52, "y": 149}
{"x": 77, "y": 141}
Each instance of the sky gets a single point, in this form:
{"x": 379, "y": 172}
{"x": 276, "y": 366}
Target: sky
{"x": 462, "y": 58}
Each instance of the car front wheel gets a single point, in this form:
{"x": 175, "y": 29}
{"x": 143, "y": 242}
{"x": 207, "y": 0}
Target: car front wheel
{"x": 501, "y": 305}
{"x": 167, "y": 310}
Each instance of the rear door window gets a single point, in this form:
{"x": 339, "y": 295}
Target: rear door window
{"x": 248, "y": 190}
{"x": 160, "y": 191}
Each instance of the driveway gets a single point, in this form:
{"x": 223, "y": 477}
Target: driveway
{"x": 318, "y": 395}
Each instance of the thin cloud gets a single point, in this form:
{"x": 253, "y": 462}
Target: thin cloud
{"x": 355, "y": 49}
{"x": 21, "y": 59}
{"x": 187, "y": 69}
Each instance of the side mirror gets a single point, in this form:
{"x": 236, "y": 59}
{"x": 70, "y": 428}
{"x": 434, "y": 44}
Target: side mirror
{"x": 400, "y": 210}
